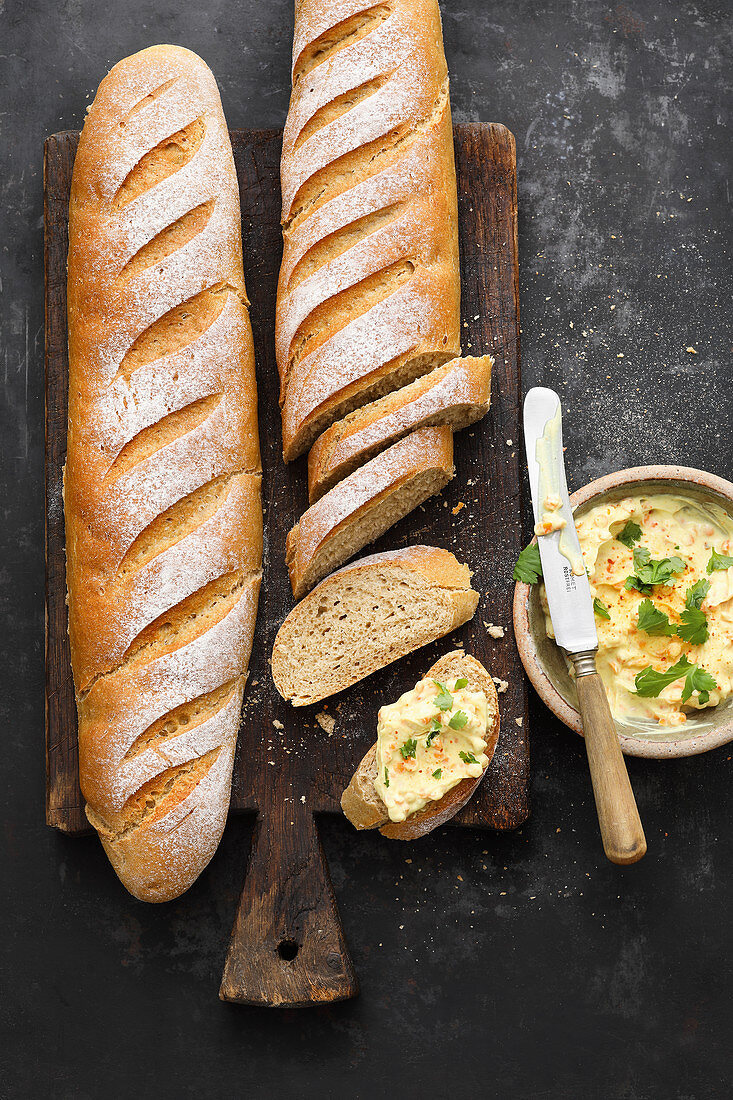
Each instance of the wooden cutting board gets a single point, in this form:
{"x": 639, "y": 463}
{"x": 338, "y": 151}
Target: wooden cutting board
{"x": 287, "y": 947}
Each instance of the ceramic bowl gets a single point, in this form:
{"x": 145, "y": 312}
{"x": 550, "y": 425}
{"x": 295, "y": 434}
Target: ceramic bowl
{"x": 545, "y": 664}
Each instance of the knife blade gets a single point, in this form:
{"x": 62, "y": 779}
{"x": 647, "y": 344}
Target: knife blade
{"x": 566, "y": 582}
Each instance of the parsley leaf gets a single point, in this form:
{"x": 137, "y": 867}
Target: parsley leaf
{"x": 386, "y": 777}
{"x": 458, "y": 720}
{"x": 443, "y": 700}
{"x": 437, "y": 773}
{"x": 630, "y": 534}
{"x": 435, "y": 729}
{"x": 529, "y": 567}
{"x": 696, "y": 594}
{"x": 719, "y": 561}
{"x": 468, "y": 758}
{"x": 408, "y": 749}
{"x": 700, "y": 681}
{"x": 649, "y": 682}
{"x": 694, "y": 625}
{"x": 462, "y": 683}
{"x": 653, "y": 621}
{"x": 650, "y": 572}
{"x": 600, "y": 609}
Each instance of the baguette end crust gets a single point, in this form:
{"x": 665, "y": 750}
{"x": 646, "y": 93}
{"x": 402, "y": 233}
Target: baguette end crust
{"x": 162, "y": 479}
{"x": 367, "y": 615}
{"x": 363, "y": 806}
{"x": 369, "y": 290}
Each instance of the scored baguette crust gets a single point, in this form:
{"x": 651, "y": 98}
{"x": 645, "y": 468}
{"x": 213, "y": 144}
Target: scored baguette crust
{"x": 366, "y": 615}
{"x": 369, "y": 290}
{"x": 366, "y": 504}
{"x": 457, "y": 393}
{"x": 162, "y": 480}
{"x": 360, "y": 801}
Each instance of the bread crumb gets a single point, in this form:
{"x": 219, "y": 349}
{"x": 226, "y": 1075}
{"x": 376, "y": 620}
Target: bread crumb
{"x": 494, "y": 631}
{"x": 692, "y": 351}
{"x": 302, "y": 798}
{"x": 278, "y": 725}
{"x": 510, "y": 443}
{"x": 519, "y": 721}
{"x": 458, "y": 507}
{"x": 326, "y": 721}
{"x": 501, "y": 685}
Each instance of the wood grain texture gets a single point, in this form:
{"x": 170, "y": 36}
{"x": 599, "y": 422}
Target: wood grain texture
{"x": 618, "y": 817}
{"x": 285, "y": 759}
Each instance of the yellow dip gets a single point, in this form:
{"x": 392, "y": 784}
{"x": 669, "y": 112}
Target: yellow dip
{"x": 428, "y": 741}
{"x": 671, "y": 526}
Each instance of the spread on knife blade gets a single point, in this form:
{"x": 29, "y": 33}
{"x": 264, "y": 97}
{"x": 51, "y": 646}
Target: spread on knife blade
{"x": 549, "y": 502}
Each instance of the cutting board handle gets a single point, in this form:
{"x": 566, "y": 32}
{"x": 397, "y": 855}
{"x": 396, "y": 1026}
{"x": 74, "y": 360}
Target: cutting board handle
{"x": 287, "y": 947}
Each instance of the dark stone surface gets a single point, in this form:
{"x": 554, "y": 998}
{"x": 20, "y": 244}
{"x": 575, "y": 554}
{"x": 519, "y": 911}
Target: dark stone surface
{"x": 520, "y": 965}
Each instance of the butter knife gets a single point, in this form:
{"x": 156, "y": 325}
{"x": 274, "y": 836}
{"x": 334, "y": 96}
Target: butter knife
{"x": 573, "y": 622}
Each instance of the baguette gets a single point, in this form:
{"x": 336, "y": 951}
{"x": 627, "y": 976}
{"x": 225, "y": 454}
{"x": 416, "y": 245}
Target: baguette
{"x": 162, "y": 479}
{"x": 367, "y": 615}
{"x": 366, "y": 504}
{"x": 360, "y": 801}
{"x": 369, "y": 290}
{"x": 458, "y": 394}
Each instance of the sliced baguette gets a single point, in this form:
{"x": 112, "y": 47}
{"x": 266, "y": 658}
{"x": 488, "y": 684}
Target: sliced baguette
{"x": 458, "y": 393}
{"x": 360, "y": 801}
{"x": 366, "y": 504}
{"x": 367, "y": 615}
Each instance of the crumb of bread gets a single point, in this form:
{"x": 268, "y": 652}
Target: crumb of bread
{"x": 494, "y": 631}
{"x": 302, "y": 798}
{"x": 458, "y": 507}
{"x": 326, "y": 721}
{"x": 692, "y": 351}
{"x": 501, "y": 685}
{"x": 277, "y": 724}
{"x": 519, "y": 721}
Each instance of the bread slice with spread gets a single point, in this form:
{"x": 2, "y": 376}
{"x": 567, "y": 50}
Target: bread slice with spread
{"x": 428, "y": 759}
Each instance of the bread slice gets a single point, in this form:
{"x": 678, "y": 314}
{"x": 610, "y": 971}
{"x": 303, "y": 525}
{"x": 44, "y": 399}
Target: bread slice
{"x": 457, "y": 393}
{"x": 366, "y": 504}
{"x": 367, "y": 615}
{"x": 360, "y": 801}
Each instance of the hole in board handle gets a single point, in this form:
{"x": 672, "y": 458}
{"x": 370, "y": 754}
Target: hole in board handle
{"x": 287, "y": 950}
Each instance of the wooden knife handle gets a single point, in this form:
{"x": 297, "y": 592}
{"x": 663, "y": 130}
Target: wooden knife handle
{"x": 287, "y": 947}
{"x": 621, "y": 829}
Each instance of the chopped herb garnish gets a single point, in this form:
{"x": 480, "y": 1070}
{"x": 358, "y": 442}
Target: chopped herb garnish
{"x": 386, "y": 777}
{"x": 468, "y": 758}
{"x": 437, "y": 773}
{"x": 458, "y": 720}
{"x": 653, "y": 621}
{"x": 649, "y": 572}
{"x": 649, "y": 682}
{"x": 696, "y": 594}
{"x": 700, "y": 681}
{"x": 462, "y": 683}
{"x": 719, "y": 561}
{"x": 528, "y": 569}
{"x": 630, "y": 534}
{"x": 443, "y": 700}
{"x": 694, "y": 625}
{"x": 435, "y": 729}
{"x": 600, "y": 609}
{"x": 408, "y": 749}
